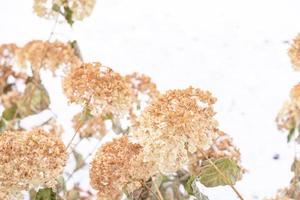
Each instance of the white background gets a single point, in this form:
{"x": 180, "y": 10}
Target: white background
{"x": 234, "y": 48}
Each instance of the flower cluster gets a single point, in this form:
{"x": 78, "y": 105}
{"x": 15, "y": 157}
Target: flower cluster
{"x": 48, "y": 9}
{"x": 144, "y": 90}
{"x": 116, "y": 167}
{"x": 7, "y": 54}
{"x": 294, "y": 53}
{"x": 39, "y": 54}
{"x": 9, "y": 93}
{"x": 30, "y": 159}
{"x": 221, "y": 147}
{"x": 142, "y": 84}
{"x": 289, "y": 115}
{"x": 100, "y": 88}
{"x": 93, "y": 126}
{"x": 175, "y": 124}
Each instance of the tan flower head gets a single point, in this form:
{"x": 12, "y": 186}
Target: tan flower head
{"x": 10, "y": 98}
{"x": 47, "y": 55}
{"x": 99, "y": 87}
{"x": 294, "y": 53}
{"x": 93, "y": 126}
{"x": 142, "y": 84}
{"x": 175, "y": 123}
{"x": 145, "y": 91}
{"x": 295, "y": 92}
{"x": 115, "y": 167}
{"x": 30, "y": 159}
{"x": 222, "y": 147}
{"x": 289, "y": 115}
{"x": 80, "y": 8}
{"x": 7, "y": 54}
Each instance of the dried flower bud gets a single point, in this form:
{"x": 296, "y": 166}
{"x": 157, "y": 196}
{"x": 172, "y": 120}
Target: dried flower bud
{"x": 294, "y": 53}
{"x": 116, "y": 167}
{"x": 30, "y": 159}
{"x": 99, "y": 87}
{"x": 174, "y": 124}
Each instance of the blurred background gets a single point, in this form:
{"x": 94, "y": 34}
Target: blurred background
{"x": 237, "y": 49}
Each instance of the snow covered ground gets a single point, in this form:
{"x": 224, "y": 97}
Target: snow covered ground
{"x": 234, "y": 48}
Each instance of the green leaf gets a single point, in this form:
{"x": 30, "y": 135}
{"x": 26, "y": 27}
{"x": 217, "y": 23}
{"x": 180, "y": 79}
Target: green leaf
{"x": 9, "y": 113}
{"x": 45, "y": 194}
{"x": 211, "y": 177}
{"x": 291, "y": 133}
{"x": 75, "y": 46}
{"x": 68, "y": 14}
{"x": 34, "y": 100}
{"x": 2, "y": 125}
{"x": 197, "y": 193}
{"x": 188, "y": 185}
{"x": 127, "y": 195}
{"x": 32, "y": 194}
{"x": 73, "y": 194}
{"x": 56, "y": 8}
{"x": 86, "y": 114}
{"x": 61, "y": 184}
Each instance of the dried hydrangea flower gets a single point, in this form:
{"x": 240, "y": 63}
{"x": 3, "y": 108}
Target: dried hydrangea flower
{"x": 175, "y": 124}
{"x": 39, "y": 54}
{"x": 117, "y": 166}
{"x": 289, "y": 115}
{"x": 99, "y": 87}
{"x": 30, "y": 159}
{"x": 10, "y": 98}
{"x": 80, "y": 8}
{"x": 294, "y": 53}
{"x": 293, "y": 190}
{"x": 7, "y": 54}
{"x": 93, "y": 126}
{"x": 142, "y": 84}
{"x": 144, "y": 89}
{"x": 222, "y": 147}
{"x": 17, "y": 195}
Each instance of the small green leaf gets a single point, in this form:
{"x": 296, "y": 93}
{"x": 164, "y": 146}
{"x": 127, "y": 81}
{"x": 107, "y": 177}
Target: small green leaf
{"x": 188, "y": 185}
{"x": 75, "y": 46}
{"x": 32, "y": 194}
{"x": 73, "y": 194}
{"x": 56, "y": 8}
{"x": 45, "y": 194}
{"x": 128, "y": 196}
{"x": 211, "y": 177}
{"x": 34, "y": 100}
{"x": 197, "y": 193}
{"x": 291, "y": 134}
{"x": 68, "y": 14}
{"x": 2, "y": 125}
{"x": 61, "y": 184}
{"x": 86, "y": 114}
{"x": 9, "y": 113}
